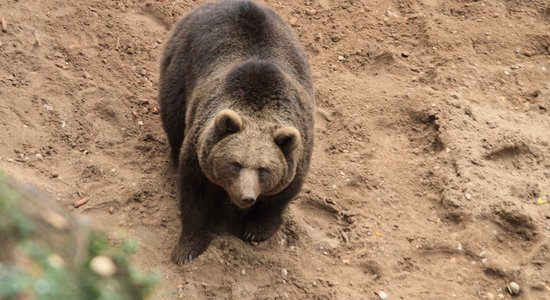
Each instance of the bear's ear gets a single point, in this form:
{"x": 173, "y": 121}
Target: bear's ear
{"x": 287, "y": 138}
{"x": 228, "y": 121}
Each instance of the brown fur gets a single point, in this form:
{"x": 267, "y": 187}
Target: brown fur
{"x": 236, "y": 104}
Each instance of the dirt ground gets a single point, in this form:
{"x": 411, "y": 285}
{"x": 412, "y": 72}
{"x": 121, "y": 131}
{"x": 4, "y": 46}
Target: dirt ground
{"x": 432, "y": 161}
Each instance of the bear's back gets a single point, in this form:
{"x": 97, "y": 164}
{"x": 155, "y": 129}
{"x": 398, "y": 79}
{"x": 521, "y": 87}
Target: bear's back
{"x": 216, "y": 35}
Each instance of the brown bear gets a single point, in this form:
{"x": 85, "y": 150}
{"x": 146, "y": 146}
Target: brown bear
{"x": 236, "y": 102}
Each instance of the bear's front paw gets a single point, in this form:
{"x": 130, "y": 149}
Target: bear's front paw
{"x": 189, "y": 248}
{"x": 259, "y": 231}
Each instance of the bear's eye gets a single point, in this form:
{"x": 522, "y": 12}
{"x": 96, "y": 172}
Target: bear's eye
{"x": 235, "y": 166}
{"x": 264, "y": 171}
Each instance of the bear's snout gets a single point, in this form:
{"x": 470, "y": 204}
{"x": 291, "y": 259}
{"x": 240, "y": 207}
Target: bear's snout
{"x": 248, "y": 199}
{"x": 247, "y": 190}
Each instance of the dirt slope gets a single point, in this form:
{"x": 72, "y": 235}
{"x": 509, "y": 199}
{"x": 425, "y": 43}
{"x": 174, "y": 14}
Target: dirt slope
{"x": 432, "y": 145}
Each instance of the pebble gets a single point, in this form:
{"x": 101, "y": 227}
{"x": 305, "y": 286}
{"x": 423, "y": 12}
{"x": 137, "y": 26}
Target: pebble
{"x": 500, "y": 296}
{"x": 383, "y": 295}
{"x": 80, "y": 202}
{"x": 284, "y": 272}
{"x": 4, "y": 25}
{"x": 335, "y": 38}
{"x": 405, "y": 54}
{"x": 490, "y": 296}
{"x": 468, "y": 196}
{"x": 513, "y": 288}
{"x": 293, "y": 21}
{"x": 243, "y": 272}
{"x": 341, "y": 58}
{"x": 391, "y": 14}
{"x": 103, "y": 265}
{"x": 143, "y": 72}
{"x": 111, "y": 210}
{"x": 47, "y": 107}
{"x": 468, "y": 110}
{"x": 140, "y": 123}
{"x": 311, "y": 12}
{"x": 87, "y": 75}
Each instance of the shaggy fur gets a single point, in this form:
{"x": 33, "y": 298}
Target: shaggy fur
{"x": 237, "y": 104}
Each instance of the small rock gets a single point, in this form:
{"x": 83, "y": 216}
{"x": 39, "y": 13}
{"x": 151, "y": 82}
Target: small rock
{"x": 490, "y": 296}
{"x": 140, "y": 123}
{"x": 341, "y": 58}
{"x": 143, "y": 72}
{"x": 293, "y": 22}
{"x": 243, "y": 272}
{"x": 500, "y": 296}
{"x": 103, "y": 266}
{"x": 405, "y": 54}
{"x": 529, "y": 53}
{"x": 47, "y": 107}
{"x": 86, "y": 75}
{"x": 155, "y": 110}
{"x": 4, "y": 25}
{"x": 468, "y": 110}
{"x": 311, "y": 12}
{"x": 383, "y": 295}
{"x": 79, "y": 203}
{"x": 335, "y": 38}
{"x": 459, "y": 247}
{"x": 284, "y": 272}
{"x": 390, "y": 14}
{"x": 111, "y": 210}
{"x": 513, "y": 288}
{"x": 468, "y": 196}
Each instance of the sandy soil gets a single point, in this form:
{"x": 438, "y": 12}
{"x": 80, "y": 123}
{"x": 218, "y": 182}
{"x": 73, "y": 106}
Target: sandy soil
{"x": 432, "y": 145}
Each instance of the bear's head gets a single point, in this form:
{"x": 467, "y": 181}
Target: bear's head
{"x": 246, "y": 159}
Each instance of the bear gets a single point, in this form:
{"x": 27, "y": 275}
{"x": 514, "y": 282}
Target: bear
{"x": 236, "y": 102}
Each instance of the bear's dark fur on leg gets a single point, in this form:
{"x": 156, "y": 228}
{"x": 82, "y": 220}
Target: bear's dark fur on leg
{"x": 237, "y": 103}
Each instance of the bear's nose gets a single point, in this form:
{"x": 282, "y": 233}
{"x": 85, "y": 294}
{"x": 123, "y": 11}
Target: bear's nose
{"x": 248, "y": 199}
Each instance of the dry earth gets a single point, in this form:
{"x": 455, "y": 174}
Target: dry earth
{"x": 432, "y": 145}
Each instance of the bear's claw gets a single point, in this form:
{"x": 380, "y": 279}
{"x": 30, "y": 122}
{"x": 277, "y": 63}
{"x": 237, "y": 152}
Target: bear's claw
{"x": 187, "y": 249}
{"x": 256, "y": 232}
